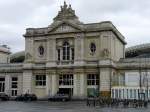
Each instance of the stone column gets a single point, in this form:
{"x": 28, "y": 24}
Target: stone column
{"x": 83, "y": 86}
{"x": 55, "y": 84}
{"x": 51, "y": 52}
{"x": 79, "y": 87}
{"x": 20, "y": 83}
{"x": 75, "y": 85}
{"x": 79, "y": 50}
{"x": 27, "y": 81}
{"x": 7, "y": 84}
{"x": 48, "y": 89}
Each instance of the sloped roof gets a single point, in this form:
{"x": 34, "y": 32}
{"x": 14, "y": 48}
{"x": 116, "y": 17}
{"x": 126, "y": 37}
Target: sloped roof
{"x": 138, "y": 47}
{"x": 142, "y": 50}
{"x": 18, "y": 57}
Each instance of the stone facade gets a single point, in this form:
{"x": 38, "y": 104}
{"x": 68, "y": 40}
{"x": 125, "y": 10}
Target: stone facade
{"x": 92, "y": 49}
{"x": 71, "y": 57}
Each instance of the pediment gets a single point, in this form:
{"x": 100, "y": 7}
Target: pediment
{"x": 65, "y": 27}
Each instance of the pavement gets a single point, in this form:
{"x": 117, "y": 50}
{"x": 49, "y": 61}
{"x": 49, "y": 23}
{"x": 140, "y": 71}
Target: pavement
{"x": 71, "y": 106}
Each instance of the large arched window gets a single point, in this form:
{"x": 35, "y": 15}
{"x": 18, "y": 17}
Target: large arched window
{"x": 66, "y": 51}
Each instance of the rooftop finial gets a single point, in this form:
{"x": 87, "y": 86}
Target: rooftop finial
{"x": 65, "y": 5}
{"x": 69, "y": 5}
{"x": 64, "y": 2}
{"x": 66, "y": 12}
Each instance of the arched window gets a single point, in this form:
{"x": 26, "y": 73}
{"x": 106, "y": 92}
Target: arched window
{"x": 66, "y": 51}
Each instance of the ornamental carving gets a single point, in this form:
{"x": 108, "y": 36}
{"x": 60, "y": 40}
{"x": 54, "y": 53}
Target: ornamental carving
{"x": 66, "y": 13}
{"x": 106, "y": 53}
{"x": 28, "y": 56}
{"x": 65, "y": 28}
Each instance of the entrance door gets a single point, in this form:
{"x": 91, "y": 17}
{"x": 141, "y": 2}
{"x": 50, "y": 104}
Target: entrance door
{"x": 2, "y": 84}
{"x": 68, "y": 91}
{"x": 66, "y": 84}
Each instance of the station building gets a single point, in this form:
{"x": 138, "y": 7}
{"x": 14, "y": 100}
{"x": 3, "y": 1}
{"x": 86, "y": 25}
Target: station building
{"x": 72, "y": 57}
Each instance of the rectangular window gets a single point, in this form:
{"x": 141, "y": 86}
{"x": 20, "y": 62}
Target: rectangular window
{"x": 58, "y": 54}
{"x": 14, "y": 92}
{"x": 14, "y": 83}
{"x": 134, "y": 93}
{"x": 2, "y": 84}
{"x": 66, "y": 79}
{"x": 2, "y": 79}
{"x": 115, "y": 79}
{"x": 116, "y": 93}
{"x": 92, "y": 79}
{"x": 40, "y": 80}
{"x": 119, "y": 94}
{"x": 64, "y": 53}
{"x": 112, "y": 93}
{"x": 123, "y": 93}
{"x": 131, "y": 94}
{"x": 14, "y": 86}
{"x": 127, "y": 94}
{"x": 68, "y": 53}
{"x": 72, "y": 51}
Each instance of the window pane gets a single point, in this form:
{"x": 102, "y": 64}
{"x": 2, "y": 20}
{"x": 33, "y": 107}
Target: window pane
{"x": 72, "y": 53}
{"x": 66, "y": 80}
{"x": 44, "y": 83}
{"x": 40, "y": 80}
{"x": 2, "y": 79}
{"x": 44, "y": 77}
{"x": 66, "y": 51}
{"x": 92, "y": 79}
{"x": 14, "y": 78}
{"x": 58, "y": 54}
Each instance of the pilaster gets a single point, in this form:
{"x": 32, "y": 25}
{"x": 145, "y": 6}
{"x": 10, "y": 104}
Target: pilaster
{"x": 76, "y": 86}
{"x": 80, "y": 85}
{"x": 55, "y": 84}
{"x": 7, "y": 84}
{"x": 105, "y": 82}
{"x": 79, "y": 50}
{"x": 27, "y": 81}
{"x": 20, "y": 84}
{"x": 48, "y": 88}
{"x": 83, "y": 86}
{"x": 51, "y": 52}
{"x": 29, "y": 50}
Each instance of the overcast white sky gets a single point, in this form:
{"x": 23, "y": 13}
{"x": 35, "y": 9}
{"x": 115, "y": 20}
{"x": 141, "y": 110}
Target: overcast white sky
{"x": 131, "y": 17}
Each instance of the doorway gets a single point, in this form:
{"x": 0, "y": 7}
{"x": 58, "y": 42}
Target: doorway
{"x": 68, "y": 91}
